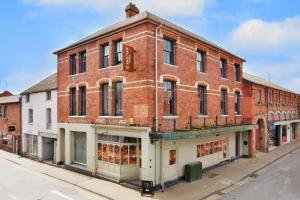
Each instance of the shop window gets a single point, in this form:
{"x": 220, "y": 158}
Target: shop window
{"x": 209, "y": 148}
{"x": 117, "y": 154}
{"x": 100, "y": 151}
{"x": 124, "y": 155}
{"x": 111, "y": 153}
{"x": 132, "y": 154}
{"x": 105, "y": 153}
{"x": 79, "y": 153}
{"x": 32, "y": 144}
{"x": 172, "y": 157}
{"x": 169, "y": 97}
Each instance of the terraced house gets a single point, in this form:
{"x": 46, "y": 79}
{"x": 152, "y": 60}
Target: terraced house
{"x": 144, "y": 97}
{"x": 10, "y": 122}
{"x": 274, "y": 109}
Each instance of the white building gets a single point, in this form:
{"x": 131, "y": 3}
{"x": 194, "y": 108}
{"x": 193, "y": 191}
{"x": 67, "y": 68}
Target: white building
{"x": 39, "y": 119}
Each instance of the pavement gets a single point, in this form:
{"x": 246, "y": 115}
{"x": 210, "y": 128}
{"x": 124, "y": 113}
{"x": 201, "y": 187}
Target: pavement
{"x": 212, "y": 183}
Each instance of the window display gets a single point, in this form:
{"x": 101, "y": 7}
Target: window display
{"x": 124, "y": 154}
{"x": 210, "y": 148}
{"x": 111, "y": 153}
{"x": 105, "y": 153}
{"x": 172, "y": 157}
{"x": 117, "y": 154}
{"x": 132, "y": 154}
{"x": 99, "y": 151}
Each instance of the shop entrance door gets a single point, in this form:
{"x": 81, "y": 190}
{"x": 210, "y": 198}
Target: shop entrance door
{"x": 245, "y": 143}
{"x": 237, "y": 144}
{"x": 170, "y": 164}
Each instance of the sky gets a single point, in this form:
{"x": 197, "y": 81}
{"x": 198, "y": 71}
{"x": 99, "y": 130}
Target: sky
{"x": 266, "y": 33}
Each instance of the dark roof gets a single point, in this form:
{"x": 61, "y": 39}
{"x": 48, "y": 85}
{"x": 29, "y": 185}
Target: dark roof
{"x": 137, "y": 18}
{"x": 264, "y": 82}
{"x": 49, "y": 83}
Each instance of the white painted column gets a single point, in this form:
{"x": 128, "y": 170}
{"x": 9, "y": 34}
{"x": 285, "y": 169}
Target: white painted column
{"x": 40, "y": 147}
{"x": 288, "y": 133}
{"x": 68, "y": 147}
{"x": 24, "y": 143}
{"x": 91, "y": 150}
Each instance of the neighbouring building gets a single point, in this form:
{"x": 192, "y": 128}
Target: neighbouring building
{"x": 274, "y": 109}
{"x": 10, "y": 122}
{"x": 39, "y": 119}
{"x": 142, "y": 98}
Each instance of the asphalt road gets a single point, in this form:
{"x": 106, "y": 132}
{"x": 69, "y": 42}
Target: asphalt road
{"x": 279, "y": 181}
{"x": 17, "y": 183}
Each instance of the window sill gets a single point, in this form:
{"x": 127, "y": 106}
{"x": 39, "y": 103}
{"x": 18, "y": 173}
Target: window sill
{"x": 237, "y": 81}
{"x": 30, "y": 123}
{"x": 110, "y": 67}
{"x": 170, "y": 65}
{"x": 110, "y": 117}
{"x": 77, "y": 116}
{"x": 202, "y": 73}
{"x": 224, "y": 79}
{"x": 170, "y": 116}
{"x": 238, "y": 115}
{"x": 224, "y": 115}
{"x": 202, "y": 116}
{"x": 78, "y": 74}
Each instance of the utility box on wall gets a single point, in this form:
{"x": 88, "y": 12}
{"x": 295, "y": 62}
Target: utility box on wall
{"x": 193, "y": 171}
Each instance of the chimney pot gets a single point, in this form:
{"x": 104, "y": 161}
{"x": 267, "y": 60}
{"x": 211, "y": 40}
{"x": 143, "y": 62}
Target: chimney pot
{"x": 131, "y": 10}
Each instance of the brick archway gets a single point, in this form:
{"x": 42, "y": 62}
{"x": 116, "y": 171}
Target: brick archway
{"x": 260, "y": 136}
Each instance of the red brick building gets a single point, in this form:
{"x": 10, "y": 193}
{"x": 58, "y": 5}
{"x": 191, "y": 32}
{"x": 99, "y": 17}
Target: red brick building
{"x": 10, "y": 122}
{"x": 144, "y": 97}
{"x": 274, "y": 109}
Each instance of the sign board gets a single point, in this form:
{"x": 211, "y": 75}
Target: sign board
{"x": 147, "y": 188}
{"x": 128, "y": 58}
{"x": 12, "y": 128}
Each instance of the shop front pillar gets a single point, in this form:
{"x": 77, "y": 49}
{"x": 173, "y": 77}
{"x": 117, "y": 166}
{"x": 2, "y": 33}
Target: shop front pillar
{"x": 91, "y": 150}
{"x": 68, "y": 147}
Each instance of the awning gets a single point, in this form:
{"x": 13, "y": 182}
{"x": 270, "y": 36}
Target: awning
{"x": 201, "y": 133}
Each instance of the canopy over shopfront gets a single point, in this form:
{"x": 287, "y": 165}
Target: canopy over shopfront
{"x": 199, "y": 133}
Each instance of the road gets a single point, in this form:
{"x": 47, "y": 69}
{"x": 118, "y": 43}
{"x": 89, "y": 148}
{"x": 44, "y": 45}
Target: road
{"x": 18, "y": 183}
{"x": 279, "y": 181}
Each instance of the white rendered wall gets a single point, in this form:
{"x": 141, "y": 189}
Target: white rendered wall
{"x": 38, "y": 103}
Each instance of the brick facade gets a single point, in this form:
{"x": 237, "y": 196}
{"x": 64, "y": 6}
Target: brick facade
{"x": 138, "y": 92}
{"x": 12, "y": 119}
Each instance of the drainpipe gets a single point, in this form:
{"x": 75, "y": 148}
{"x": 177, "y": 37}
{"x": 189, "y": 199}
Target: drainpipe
{"x": 156, "y": 77}
{"x": 156, "y": 104}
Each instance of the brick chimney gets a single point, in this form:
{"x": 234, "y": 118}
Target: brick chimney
{"x": 131, "y": 10}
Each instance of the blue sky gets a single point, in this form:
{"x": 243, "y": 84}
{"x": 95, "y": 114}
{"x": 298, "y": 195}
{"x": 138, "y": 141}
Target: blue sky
{"x": 264, "y": 32}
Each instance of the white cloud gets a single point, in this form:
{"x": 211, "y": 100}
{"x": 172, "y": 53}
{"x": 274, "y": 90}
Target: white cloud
{"x": 161, "y": 7}
{"x": 259, "y": 35}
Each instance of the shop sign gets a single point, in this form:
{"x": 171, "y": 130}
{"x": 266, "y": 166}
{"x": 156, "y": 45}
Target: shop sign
{"x": 128, "y": 58}
{"x": 147, "y": 188}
